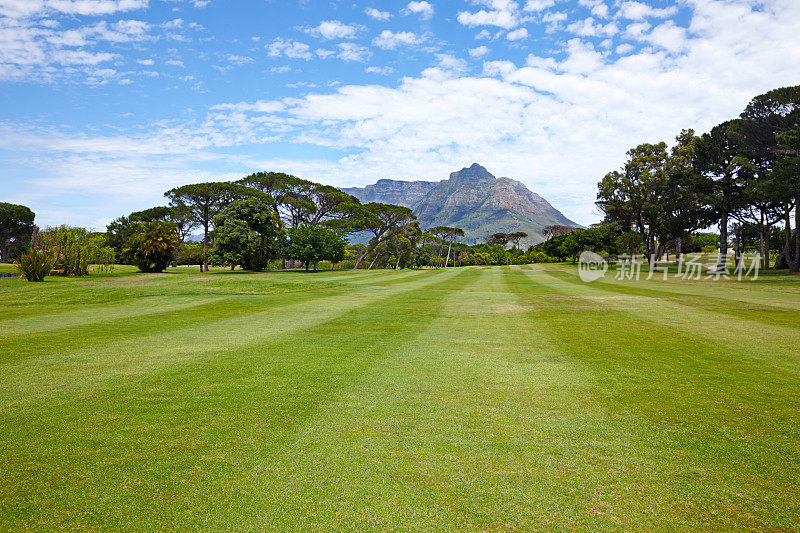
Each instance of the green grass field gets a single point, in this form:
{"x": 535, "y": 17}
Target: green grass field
{"x": 514, "y": 398}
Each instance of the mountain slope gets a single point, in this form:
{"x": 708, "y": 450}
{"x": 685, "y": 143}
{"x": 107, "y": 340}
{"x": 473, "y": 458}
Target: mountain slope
{"x": 471, "y": 199}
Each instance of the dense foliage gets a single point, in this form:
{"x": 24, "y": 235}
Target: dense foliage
{"x": 312, "y": 244}
{"x": 16, "y": 229}
{"x": 247, "y": 234}
{"x": 745, "y": 170}
{"x": 151, "y": 245}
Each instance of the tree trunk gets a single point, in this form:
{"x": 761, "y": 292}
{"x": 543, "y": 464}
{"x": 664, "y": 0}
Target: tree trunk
{"x": 678, "y": 247}
{"x": 315, "y": 265}
{"x": 361, "y": 258}
{"x": 283, "y": 263}
{"x": 795, "y": 267}
{"x": 373, "y": 261}
{"x": 233, "y": 267}
{"x": 448, "y": 253}
{"x": 723, "y": 243}
{"x": 396, "y": 266}
{"x": 204, "y": 266}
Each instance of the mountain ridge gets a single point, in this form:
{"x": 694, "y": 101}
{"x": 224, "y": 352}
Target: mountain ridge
{"x": 472, "y": 199}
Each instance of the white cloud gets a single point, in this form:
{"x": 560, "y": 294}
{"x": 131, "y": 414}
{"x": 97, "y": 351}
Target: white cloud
{"x": 502, "y": 13}
{"x": 353, "y": 52}
{"x": 589, "y": 28}
{"x": 28, "y": 8}
{"x": 517, "y": 35}
{"x": 480, "y": 51}
{"x": 422, "y": 8}
{"x": 239, "y": 60}
{"x": 447, "y": 67}
{"x": 389, "y": 40}
{"x": 638, "y": 11}
{"x": 384, "y": 71}
{"x": 538, "y": 5}
{"x": 332, "y": 29}
{"x": 145, "y": 61}
{"x": 377, "y": 14}
{"x": 175, "y": 63}
{"x": 625, "y": 49}
{"x": 293, "y": 49}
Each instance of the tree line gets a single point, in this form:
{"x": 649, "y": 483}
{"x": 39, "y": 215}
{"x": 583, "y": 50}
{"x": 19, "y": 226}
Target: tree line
{"x": 742, "y": 176}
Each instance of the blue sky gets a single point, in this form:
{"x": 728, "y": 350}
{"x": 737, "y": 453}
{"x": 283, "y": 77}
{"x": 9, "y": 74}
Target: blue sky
{"x": 108, "y": 103}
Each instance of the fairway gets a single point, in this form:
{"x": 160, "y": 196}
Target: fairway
{"x": 496, "y": 398}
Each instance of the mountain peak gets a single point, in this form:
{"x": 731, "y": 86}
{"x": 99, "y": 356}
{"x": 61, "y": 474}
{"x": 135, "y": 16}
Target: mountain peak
{"x": 473, "y": 200}
{"x": 475, "y": 172}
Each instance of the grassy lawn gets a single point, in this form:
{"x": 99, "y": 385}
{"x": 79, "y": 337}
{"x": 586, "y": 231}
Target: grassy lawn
{"x": 459, "y": 399}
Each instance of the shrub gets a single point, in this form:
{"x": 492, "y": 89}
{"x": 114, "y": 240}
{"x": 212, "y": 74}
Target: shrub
{"x": 72, "y": 248}
{"x": 151, "y": 245}
{"x": 347, "y": 264}
{"x": 541, "y": 257}
{"x": 35, "y": 264}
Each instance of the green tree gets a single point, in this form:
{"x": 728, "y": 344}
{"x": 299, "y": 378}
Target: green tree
{"x": 120, "y": 229}
{"x": 16, "y": 228}
{"x": 723, "y": 169}
{"x": 655, "y": 194}
{"x": 247, "y": 233}
{"x": 774, "y": 189}
{"x": 452, "y": 234}
{"x": 312, "y": 244}
{"x": 378, "y": 219}
{"x": 203, "y": 201}
{"x": 151, "y": 245}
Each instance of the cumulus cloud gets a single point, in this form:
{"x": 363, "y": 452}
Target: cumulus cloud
{"x": 332, "y": 29}
{"x": 377, "y": 14}
{"x": 353, "y": 52}
{"x": 517, "y": 35}
{"x": 423, "y": 9}
{"x": 502, "y": 13}
{"x": 639, "y": 11}
{"x": 29, "y": 8}
{"x": 480, "y": 51}
{"x": 293, "y": 49}
{"x": 389, "y": 40}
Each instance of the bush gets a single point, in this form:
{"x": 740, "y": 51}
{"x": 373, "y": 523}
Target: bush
{"x": 347, "y": 264}
{"x": 35, "y": 264}
{"x": 709, "y": 249}
{"x": 541, "y": 257}
{"x": 72, "y": 248}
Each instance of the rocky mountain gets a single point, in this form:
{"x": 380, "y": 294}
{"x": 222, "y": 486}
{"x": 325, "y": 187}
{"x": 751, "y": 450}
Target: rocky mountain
{"x": 471, "y": 199}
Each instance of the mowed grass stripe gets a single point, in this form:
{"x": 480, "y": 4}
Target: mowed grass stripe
{"x": 734, "y": 298}
{"x": 204, "y": 429}
{"x": 440, "y": 433}
{"x": 752, "y": 331}
{"x": 37, "y": 366}
{"x": 713, "y": 446}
